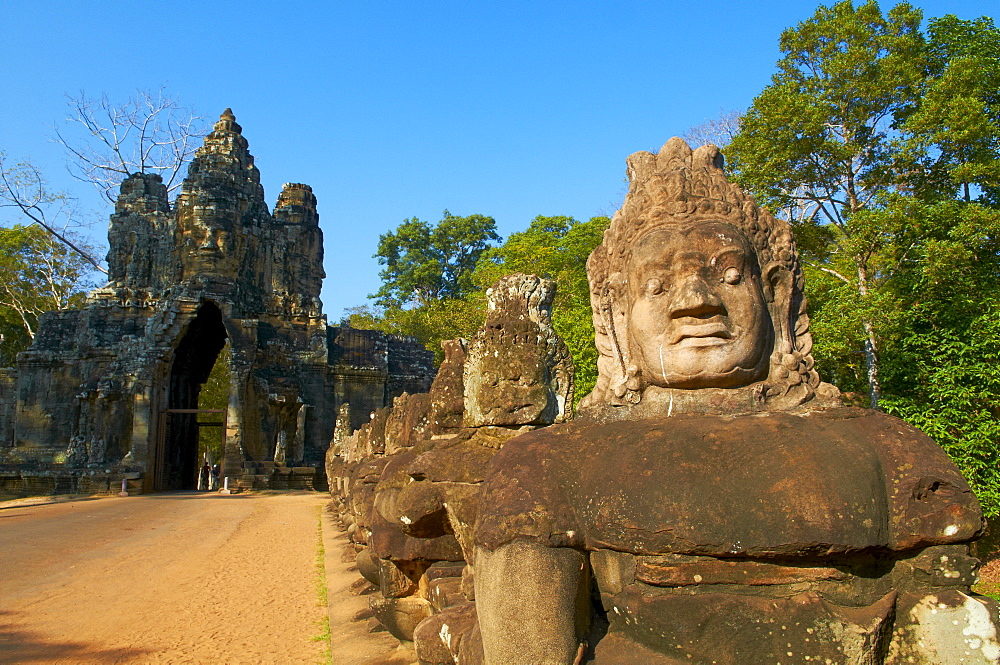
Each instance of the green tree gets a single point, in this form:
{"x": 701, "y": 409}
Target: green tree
{"x": 822, "y": 136}
{"x": 880, "y": 145}
{"x": 556, "y": 248}
{"x": 105, "y": 142}
{"x": 37, "y": 274}
{"x": 553, "y": 247}
{"x": 954, "y": 133}
{"x": 214, "y": 394}
{"x": 430, "y": 323}
{"x": 425, "y": 263}
{"x": 24, "y": 189}
{"x": 942, "y": 371}
{"x": 427, "y": 287}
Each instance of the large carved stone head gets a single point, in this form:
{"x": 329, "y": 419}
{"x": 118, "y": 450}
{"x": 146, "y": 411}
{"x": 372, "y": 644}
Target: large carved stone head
{"x": 697, "y": 294}
{"x": 220, "y": 198}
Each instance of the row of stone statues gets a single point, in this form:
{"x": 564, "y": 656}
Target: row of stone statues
{"x": 407, "y": 484}
{"x": 711, "y": 502}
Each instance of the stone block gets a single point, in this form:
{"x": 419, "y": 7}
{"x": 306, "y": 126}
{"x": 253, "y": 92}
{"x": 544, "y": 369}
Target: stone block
{"x": 400, "y": 616}
{"x": 445, "y": 592}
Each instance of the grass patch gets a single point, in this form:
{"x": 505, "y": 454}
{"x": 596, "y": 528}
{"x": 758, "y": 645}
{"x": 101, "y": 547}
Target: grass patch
{"x": 321, "y": 591}
{"x": 989, "y": 588}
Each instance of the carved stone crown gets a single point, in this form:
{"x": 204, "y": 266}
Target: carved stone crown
{"x": 679, "y": 185}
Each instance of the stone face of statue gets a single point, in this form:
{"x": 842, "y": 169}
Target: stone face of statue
{"x": 518, "y": 371}
{"x": 514, "y": 386}
{"x": 696, "y": 311}
{"x": 706, "y": 393}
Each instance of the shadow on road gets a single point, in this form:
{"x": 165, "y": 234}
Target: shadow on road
{"x": 25, "y": 646}
{"x": 31, "y": 501}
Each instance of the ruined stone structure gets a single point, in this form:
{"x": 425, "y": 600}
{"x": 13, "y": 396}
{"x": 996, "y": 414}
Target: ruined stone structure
{"x": 101, "y": 392}
{"x": 408, "y": 482}
{"x": 713, "y": 502}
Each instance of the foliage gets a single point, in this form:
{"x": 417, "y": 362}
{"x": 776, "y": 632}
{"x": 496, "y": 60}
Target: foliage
{"x": 427, "y": 263}
{"x": 148, "y": 133}
{"x": 429, "y": 323}
{"x": 37, "y": 275}
{"x": 822, "y": 136}
{"x": 556, "y": 248}
{"x": 553, "y": 247}
{"x": 214, "y": 394}
{"x": 956, "y": 383}
{"x": 881, "y": 145}
{"x": 105, "y": 143}
{"x": 13, "y": 337}
{"x": 955, "y": 128}
{"x": 942, "y": 373}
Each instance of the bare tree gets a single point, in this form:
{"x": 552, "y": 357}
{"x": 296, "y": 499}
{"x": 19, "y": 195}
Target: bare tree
{"x": 718, "y": 131}
{"x": 150, "y": 133}
{"x": 22, "y": 187}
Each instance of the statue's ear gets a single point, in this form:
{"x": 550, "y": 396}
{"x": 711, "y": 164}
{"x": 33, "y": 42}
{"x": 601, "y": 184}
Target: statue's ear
{"x": 777, "y": 283}
{"x": 615, "y": 308}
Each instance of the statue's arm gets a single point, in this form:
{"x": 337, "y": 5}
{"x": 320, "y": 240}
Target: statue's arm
{"x": 533, "y": 603}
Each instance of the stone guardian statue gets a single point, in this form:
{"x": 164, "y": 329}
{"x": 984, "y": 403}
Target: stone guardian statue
{"x": 713, "y": 502}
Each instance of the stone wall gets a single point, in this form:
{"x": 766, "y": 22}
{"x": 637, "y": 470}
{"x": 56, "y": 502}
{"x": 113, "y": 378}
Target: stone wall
{"x": 98, "y": 386}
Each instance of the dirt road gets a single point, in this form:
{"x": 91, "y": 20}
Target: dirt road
{"x": 177, "y": 578}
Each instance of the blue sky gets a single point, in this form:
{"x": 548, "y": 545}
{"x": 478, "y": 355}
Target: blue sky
{"x": 398, "y": 109}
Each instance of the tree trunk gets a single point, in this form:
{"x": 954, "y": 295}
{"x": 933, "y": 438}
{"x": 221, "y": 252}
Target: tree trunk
{"x": 871, "y": 345}
{"x": 871, "y": 361}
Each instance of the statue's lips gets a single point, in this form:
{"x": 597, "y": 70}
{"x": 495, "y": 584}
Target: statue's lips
{"x": 704, "y": 334}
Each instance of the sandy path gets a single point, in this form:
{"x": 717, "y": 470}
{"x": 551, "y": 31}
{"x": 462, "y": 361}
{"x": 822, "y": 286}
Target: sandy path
{"x": 173, "y": 578}
{"x": 356, "y": 638}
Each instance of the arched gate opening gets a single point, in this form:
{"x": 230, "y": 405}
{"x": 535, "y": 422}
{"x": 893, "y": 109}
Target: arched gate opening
{"x": 193, "y": 360}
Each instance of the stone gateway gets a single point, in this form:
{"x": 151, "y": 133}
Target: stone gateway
{"x": 107, "y": 391}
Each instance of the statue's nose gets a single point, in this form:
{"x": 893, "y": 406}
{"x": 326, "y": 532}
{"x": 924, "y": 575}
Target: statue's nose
{"x": 693, "y": 296}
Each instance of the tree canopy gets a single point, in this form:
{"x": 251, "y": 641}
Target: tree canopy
{"x": 556, "y": 248}
{"x": 425, "y": 263}
{"x": 414, "y": 301}
{"x": 820, "y": 139}
{"x": 23, "y": 188}
{"x": 880, "y": 143}
{"x": 37, "y": 275}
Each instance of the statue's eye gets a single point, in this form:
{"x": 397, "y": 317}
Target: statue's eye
{"x": 654, "y": 287}
{"x": 732, "y": 276}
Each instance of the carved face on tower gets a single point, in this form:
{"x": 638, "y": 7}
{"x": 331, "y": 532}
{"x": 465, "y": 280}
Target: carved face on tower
{"x": 696, "y": 312}
{"x": 219, "y": 199}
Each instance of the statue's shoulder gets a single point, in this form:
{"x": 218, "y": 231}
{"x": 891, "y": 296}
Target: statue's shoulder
{"x": 929, "y": 501}
{"x": 845, "y": 478}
